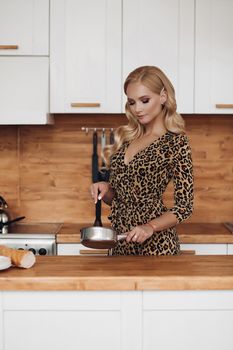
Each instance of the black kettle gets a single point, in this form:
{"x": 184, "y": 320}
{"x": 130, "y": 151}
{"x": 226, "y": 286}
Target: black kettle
{"x": 5, "y": 217}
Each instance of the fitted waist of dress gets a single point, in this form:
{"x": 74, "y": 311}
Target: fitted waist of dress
{"x": 134, "y": 198}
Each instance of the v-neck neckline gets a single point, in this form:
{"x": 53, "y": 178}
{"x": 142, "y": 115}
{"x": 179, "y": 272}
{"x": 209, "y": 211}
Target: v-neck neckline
{"x": 140, "y": 151}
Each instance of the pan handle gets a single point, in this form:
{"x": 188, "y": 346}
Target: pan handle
{"x": 121, "y": 237}
{"x": 12, "y": 221}
{"x": 98, "y": 221}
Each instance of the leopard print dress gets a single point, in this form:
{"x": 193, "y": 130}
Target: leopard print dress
{"x": 139, "y": 187}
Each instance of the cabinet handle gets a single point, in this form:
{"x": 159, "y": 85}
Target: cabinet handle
{"x": 229, "y": 105}
{"x": 189, "y": 252}
{"x": 9, "y": 47}
{"x": 77, "y": 104}
{"x": 93, "y": 251}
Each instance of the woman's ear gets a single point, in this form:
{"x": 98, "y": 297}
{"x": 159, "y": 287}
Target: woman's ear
{"x": 163, "y": 96}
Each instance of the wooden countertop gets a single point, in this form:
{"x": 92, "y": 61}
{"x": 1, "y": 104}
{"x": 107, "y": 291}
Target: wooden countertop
{"x": 188, "y": 233}
{"x": 188, "y": 272}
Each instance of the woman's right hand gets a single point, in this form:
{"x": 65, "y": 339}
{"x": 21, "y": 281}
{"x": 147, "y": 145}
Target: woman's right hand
{"x": 100, "y": 189}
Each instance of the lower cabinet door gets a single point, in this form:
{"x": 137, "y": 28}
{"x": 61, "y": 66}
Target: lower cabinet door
{"x": 206, "y": 249}
{"x": 230, "y": 249}
{"x": 199, "y": 249}
{"x": 116, "y": 320}
{"x": 205, "y": 334}
{"x": 78, "y": 249}
{"x": 24, "y": 90}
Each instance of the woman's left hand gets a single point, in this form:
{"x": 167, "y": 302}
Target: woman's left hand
{"x": 140, "y": 233}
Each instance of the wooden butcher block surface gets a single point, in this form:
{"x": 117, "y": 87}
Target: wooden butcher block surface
{"x": 184, "y": 272}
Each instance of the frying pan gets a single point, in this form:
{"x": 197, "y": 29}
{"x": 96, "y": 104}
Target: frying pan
{"x": 99, "y": 237}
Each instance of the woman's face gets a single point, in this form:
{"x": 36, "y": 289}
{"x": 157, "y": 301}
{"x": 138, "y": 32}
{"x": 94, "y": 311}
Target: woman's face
{"x": 144, "y": 104}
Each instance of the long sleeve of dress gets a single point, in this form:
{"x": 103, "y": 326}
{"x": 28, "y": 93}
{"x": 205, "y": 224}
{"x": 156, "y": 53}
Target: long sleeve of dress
{"x": 182, "y": 171}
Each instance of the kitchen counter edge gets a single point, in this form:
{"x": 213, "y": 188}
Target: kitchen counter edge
{"x": 122, "y": 273}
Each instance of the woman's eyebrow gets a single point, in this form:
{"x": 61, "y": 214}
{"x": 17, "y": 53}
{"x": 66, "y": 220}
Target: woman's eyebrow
{"x": 144, "y": 96}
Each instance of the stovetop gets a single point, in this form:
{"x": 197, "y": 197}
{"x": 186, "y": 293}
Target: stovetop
{"x": 35, "y": 228}
{"x": 40, "y": 238}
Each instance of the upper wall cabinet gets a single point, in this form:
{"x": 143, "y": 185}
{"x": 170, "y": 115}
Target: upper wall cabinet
{"x": 24, "y": 95}
{"x": 161, "y": 33}
{"x": 85, "y": 51}
{"x": 214, "y": 57}
{"x": 24, "y": 62}
{"x": 24, "y": 27}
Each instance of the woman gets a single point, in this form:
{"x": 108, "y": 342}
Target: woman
{"x": 148, "y": 152}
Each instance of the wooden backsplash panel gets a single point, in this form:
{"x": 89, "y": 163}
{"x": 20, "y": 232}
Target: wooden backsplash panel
{"x": 9, "y": 160}
{"x": 212, "y": 140}
{"x": 46, "y": 170}
{"x": 55, "y": 172}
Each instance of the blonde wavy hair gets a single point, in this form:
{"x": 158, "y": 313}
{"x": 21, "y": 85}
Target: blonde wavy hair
{"x": 155, "y": 80}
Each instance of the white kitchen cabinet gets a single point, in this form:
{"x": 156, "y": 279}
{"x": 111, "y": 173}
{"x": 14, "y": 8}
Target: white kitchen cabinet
{"x": 116, "y": 320}
{"x": 85, "y": 51}
{"x": 24, "y": 27}
{"x": 230, "y": 249}
{"x": 68, "y": 249}
{"x": 161, "y": 33}
{"x": 195, "y": 319}
{"x": 200, "y": 249}
{"x": 24, "y": 62}
{"x": 214, "y": 56}
{"x": 24, "y": 90}
{"x": 77, "y": 249}
{"x": 206, "y": 249}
